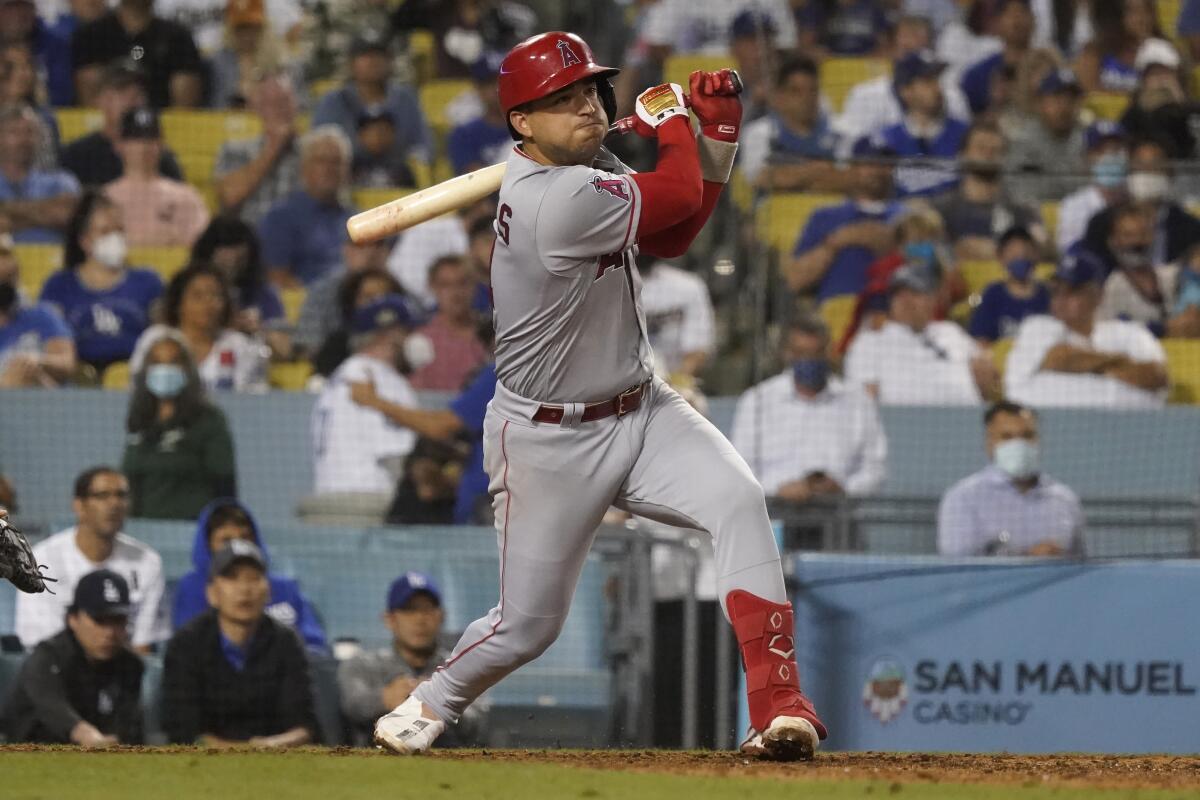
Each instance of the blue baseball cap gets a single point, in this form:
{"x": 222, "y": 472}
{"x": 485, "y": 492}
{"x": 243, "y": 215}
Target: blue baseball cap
{"x": 1060, "y": 81}
{"x": 389, "y": 310}
{"x": 751, "y": 23}
{"x": 1079, "y": 267}
{"x": 1104, "y": 131}
{"x": 919, "y": 64}
{"x": 407, "y": 586}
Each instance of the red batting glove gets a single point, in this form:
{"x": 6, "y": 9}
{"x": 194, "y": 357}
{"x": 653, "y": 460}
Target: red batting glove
{"x": 720, "y": 115}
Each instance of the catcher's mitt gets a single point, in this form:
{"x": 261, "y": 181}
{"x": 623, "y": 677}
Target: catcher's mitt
{"x": 17, "y": 562}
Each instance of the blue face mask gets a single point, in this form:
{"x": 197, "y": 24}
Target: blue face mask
{"x": 1110, "y": 169}
{"x": 1019, "y": 458}
{"x": 1019, "y": 268}
{"x": 810, "y": 373}
{"x": 165, "y": 380}
{"x": 924, "y": 253}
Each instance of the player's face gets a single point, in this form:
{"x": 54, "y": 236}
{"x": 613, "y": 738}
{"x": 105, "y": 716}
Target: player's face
{"x": 1006, "y": 427}
{"x": 227, "y": 533}
{"x": 105, "y": 506}
{"x": 416, "y": 626}
{"x": 101, "y": 639}
{"x": 240, "y": 595}
{"x": 202, "y": 304}
{"x": 566, "y": 127}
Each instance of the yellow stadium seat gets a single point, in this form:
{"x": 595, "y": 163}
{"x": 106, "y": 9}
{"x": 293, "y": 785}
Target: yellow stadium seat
{"x": 1000, "y": 350}
{"x": 36, "y": 263}
{"x": 978, "y": 274}
{"x": 290, "y": 376}
{"x": 678, "y": 68}
{"x": 840, "y": 75}
{"x": 197, "y": 136}
{"x": 421, "y": 49}
{"x": 435, "y": 96}
{"x": 1168, "y": 17}
{"x": 443, "y": 170}
{"x": 292, "y": 299}
{"x": 782, "y": 217}
{"x": 838, "y": 313}
{"x": 1106, "y": 105}
{"x": 1050, "y": 218}
{"x": 1183, "y": 364}
{"x": 116, "y": 376}
{"x": 76, "y": 122}
{"x": 369, "y": 198}
{"x": 166, "y": 261}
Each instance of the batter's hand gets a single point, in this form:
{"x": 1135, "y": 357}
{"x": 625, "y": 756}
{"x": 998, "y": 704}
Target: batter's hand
{"x": 718, "y": 109}
{"x": 656, "y": 105}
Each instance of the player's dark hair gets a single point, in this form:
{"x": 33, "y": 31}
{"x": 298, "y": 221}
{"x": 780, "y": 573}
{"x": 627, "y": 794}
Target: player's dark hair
{"x": 83, "y": 482}
{"x": 229, "y": 231}
{"x": 143, "y": 405}
{"x": 442, "y": 262}
{"x": 173, "y": 297}
{"x": 809, "y": 324}
{"x": 798, "y": 65}
{"x": 91, "y": 202}
{"x": 1006, "y": 407}
{"x": 229, "y": 512}
{"x": 348, "y": 290}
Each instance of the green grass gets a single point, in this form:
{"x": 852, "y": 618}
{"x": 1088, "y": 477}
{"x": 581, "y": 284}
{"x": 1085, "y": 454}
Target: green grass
{"x": 72, "y": 775}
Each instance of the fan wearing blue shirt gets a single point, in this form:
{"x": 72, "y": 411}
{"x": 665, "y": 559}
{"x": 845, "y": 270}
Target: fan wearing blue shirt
{"x": 485, "y": 140}
{"x": 1006, "y": 302}
{"x": 106, "y": 302}
{"x": 840, "y": 242}
{"x": 1012, "y": 22}
{"x": 926, "y": 132}
{"x": 35, "y": 344}
{"x": 38, "y": 202}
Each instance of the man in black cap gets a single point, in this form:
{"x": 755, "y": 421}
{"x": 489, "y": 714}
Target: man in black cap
{"x": 82, "y": 686}
{"x": 234, "y": 675}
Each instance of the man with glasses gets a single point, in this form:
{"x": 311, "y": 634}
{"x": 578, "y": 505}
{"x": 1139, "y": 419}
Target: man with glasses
{"x": 95, "y": 542}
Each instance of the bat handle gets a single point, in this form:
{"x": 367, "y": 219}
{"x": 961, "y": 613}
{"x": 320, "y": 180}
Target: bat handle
{"x": 731, "y": 86}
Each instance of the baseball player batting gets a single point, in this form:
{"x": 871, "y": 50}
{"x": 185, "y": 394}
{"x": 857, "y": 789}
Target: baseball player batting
{"x": 579, "y": 423}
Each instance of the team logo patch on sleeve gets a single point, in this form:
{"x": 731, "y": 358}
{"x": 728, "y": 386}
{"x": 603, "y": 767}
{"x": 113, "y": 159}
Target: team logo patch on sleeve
{"x": 614, "y": 186}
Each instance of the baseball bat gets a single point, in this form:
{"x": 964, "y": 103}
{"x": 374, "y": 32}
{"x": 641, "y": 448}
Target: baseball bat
{"x": 421, "y": 206}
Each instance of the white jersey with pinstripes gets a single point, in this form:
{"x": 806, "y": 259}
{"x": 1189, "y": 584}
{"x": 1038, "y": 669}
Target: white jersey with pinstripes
{"x": 569, "y": 326}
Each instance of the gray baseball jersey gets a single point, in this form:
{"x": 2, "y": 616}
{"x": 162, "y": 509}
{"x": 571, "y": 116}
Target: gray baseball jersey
{"x": 569, "y": 328}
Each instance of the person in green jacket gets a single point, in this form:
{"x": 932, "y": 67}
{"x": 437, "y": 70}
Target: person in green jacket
{"x": 178, "y": 452}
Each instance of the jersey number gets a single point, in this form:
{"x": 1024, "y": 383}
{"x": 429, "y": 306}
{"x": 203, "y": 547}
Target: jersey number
{"x": 502, "y": 222}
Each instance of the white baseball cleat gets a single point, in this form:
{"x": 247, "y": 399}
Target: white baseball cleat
{"x": 785, "y": 739}
{"x": 406, "y": 730}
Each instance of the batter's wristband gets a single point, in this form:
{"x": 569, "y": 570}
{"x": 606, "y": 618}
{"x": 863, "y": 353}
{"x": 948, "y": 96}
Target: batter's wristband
{"x": 716, "y": 159}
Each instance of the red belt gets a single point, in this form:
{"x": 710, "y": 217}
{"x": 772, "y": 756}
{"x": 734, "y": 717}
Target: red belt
{"x": 626, "y": 402}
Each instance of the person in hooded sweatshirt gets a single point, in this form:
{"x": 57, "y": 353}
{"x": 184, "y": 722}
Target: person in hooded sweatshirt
{"x": 219, "y": 522}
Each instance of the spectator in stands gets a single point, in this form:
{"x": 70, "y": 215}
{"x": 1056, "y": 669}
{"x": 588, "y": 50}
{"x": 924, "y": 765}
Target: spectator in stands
{"x": 326, "y": 33}
{"x": 106, "y": 302}
{"x": 49, "y": 46}
{"x": 38, "y": 203}
{"x": 1063, "y": 27}
{"x": 926, "y": 132}
{"x": 679, "y": 318}
{"x": 484, "y": 140}
{"x": 235, "y": 675}
{"x": 93, "y": 158}
{"x": 462, "y": 29}
{"x": 452, "y": 329}
{"x": 164, "y": 50}
{"x": 964, "y": 41}
{"x": 198, "y": 311}
{"x": 101, "y": 506}
{"x": 752, "y": 45}
{"x": 357, "y": 289}
{"x": 371, "y": 88}
{"x": 374, "y": 682}
{"x": 417, "y": 248}
{"x": 792, "y": 148}
{"x": 1107, "y": 63}
{"x": 250, "y": 48}
{"x": 839, "y": 242}
{"x": 1140, "y": 289}
{"x": 36, "y": 348}
{"x": 84, "y": 685}
{"x": 211, "y": 21}
{"x": 482, "y": 238}
{"x": 1185, "y": 316}
{"x": 1046, "y": 157}
{"x": 1160, "y": 108}
{"x": 178, "y": 452}
{"x": 159, "y": 212}
{"x": 358, "y": 452}
{"x": 220, "y": 522}
{"x": 302, "y": 233}
{"x": 1012, "y": 23}
{"x": 1149, "y": 184}
{"x": 1071, "y": 358}
{"x": 1010, "y": 508}
{"x": 1004, "y": 303}
{"x": 875, "y": 104}
{"x": 844, "y": 450}
{"x": 20, "y": 84}
{"x": 1108, "y": 163}
{"x": 915, "y": 360}
{"x": 375, "y": 162}
{"x": 320, "y": 315}
{"x": 980, "y": 209}
{"x": 852, "y": 27}
{"x": 251, "y": 175}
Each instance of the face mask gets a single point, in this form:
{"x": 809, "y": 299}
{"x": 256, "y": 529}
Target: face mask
{"x": 1019, "y": 268}
{"x": 924, "y": 253}
{"x": 1109, "y": 170}
{"x": 810, "y": 373}
{"x": 418, "y": 351}
{"x": 8, "y": 297}
{"x": 1018, "y": 458}
{"x": 1148, "y": 186}
{"x": 110, "y": 250}
{"x": 1134, "y": 258}
{"x": 165, "y": 380}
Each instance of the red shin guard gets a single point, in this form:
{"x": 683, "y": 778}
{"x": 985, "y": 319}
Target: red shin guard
{"x": 764, "y": 632}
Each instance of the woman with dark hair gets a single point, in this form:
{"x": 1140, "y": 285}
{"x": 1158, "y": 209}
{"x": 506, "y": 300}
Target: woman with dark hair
{"x": 1106, "y": 63}
{"x": 357, "y": 290}
{"x": 105, "y": 301}
{"x": 20, "y": 84}
{"x": 178, "y": 454}
{"x": 198, "y": 307}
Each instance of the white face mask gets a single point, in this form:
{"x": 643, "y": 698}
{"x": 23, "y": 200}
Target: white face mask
{"x": 418, "y": 351}
{"x": 111, "y": 249}
{"x": 1148, "y": 186}
{"x": 1017, "y": 457}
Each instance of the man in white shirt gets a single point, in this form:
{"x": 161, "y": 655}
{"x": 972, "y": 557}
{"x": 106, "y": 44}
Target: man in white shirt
{"x": 1010, "y": 507}
{"x": 359, "y": 454}
{"x": 914, "y": 360}
{"x": 679, "y": 317}
{"x": 806, "y": 434}
{"x": 1070, "y": 358}
{"x": 101, "y": 505}
{"x": 692, "y": 26}
{"x": 1108, "y": 161}
{"x": 420, "y": 246}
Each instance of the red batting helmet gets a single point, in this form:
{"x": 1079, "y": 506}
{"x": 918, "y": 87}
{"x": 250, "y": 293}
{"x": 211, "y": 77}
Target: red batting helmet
{"x": 545, "y": 63}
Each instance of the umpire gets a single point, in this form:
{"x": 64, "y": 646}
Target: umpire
{"x": 82, "y": 686}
